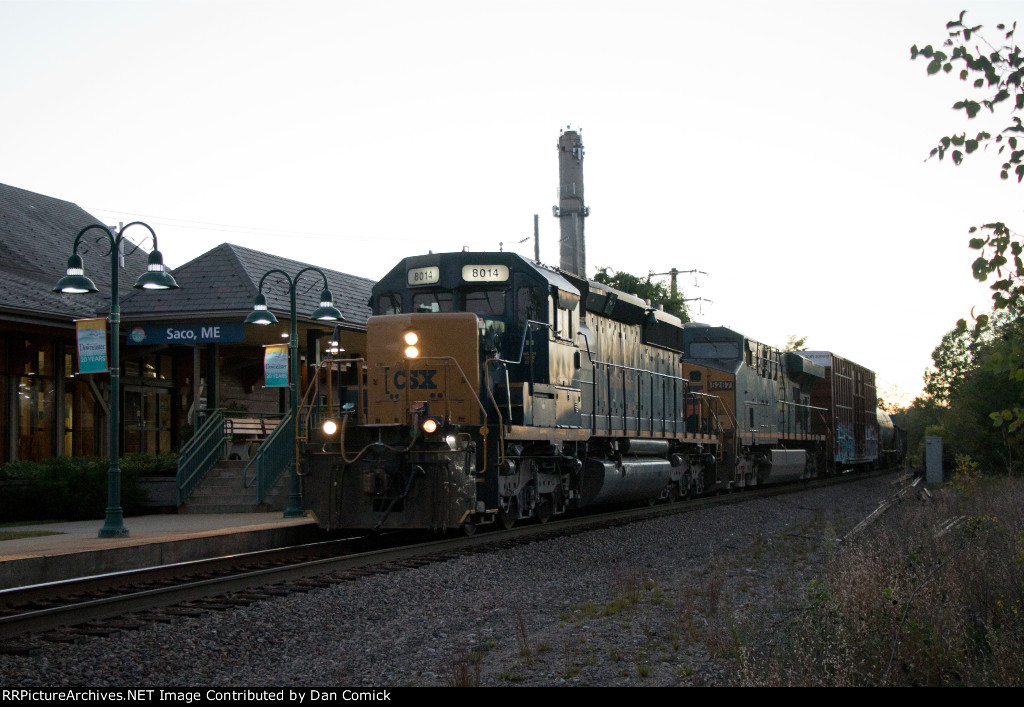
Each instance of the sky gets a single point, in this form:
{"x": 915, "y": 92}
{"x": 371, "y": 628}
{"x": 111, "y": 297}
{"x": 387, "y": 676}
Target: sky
{"x": 779, "y": 147}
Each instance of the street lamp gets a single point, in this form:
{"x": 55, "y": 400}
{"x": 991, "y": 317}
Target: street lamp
{"x": 76, "y": 282}
{"x": 261, "y": 315}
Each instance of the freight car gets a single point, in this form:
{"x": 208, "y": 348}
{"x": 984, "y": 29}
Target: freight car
{"x": 497, "y": 389}
{"x": 847, "y": 393}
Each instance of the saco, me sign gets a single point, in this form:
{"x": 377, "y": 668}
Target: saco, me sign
{"x": 214, "y": 333}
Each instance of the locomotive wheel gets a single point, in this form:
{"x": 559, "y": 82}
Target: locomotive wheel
{"x": 543, "y": 510}
{"x": 508, "y": 518}
{"x": 469, "y": 528}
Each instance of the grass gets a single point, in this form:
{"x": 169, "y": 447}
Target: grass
{"x": 18, "y": 534}
{"x": 917, "y": 600}
{"x": 7, "y": 534}
{"x": 914, "y": 600}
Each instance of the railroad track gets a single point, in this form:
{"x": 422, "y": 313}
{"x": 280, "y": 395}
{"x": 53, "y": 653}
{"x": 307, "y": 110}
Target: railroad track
{"x": 74, "y": 610}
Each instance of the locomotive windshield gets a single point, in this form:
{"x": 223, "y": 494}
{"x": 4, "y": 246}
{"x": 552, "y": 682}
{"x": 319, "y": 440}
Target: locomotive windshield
{"x": 433, "y": 302}
{"x": 389, "y": 303}
{"x": 714, "y": 349}
{"x": 486, "y": 303}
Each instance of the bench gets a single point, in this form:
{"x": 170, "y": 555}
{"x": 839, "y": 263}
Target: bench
{"x": 245, "y": 434}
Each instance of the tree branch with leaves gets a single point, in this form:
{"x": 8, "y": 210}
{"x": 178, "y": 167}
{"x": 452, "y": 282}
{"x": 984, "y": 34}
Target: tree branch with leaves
{"x": 998, "y": 73}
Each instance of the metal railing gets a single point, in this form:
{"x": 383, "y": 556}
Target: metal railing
{"x": 275, "y": 456}
{"x": 199, "y": 454}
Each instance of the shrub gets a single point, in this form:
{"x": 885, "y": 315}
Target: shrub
{"x": 74, "y": 488}
{"x": 933, "y": 596}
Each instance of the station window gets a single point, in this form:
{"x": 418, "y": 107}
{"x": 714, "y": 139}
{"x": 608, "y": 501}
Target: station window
{"x": 3, "y": 401}
{"x": 36, "y": 399}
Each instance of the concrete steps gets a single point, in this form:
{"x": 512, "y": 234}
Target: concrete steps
{"x": 223, "y": 491}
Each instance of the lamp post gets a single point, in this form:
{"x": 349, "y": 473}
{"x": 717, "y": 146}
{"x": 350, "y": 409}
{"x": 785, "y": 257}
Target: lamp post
{"x": 75, "y": 282}
{"x": 261, "y": 315}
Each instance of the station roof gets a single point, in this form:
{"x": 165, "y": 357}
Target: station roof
{"x": 223, "y": 282}
{"x": 37, "y": 234}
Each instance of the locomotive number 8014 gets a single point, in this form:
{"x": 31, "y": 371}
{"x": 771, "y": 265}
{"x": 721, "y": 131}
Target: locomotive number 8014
{"x": 496, "y": 389}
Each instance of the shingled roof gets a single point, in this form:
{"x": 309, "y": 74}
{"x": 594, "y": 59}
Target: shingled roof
{"x": 224, "y": 282}
{"x": 37, "y": 234}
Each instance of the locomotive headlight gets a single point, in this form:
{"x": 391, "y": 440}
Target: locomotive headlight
{"x": 411, "y": 338}
{"x": 329, "y": 427}
{"x": 411, "y": 352}
{"x": 430, "y": 425}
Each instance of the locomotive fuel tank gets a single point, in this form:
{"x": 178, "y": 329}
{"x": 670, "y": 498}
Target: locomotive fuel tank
{"x": 631, "y": 479}
{"x": 787, "y": 465}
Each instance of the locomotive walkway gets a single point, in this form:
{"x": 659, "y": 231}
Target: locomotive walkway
{"x": 76, "y": 551}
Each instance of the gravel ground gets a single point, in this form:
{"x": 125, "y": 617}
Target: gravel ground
{"x": 638, "y": 605}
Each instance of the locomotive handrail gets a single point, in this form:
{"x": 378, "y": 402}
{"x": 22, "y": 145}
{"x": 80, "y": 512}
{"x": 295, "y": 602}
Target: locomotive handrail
{"x": 314, "y": 387}
{"x": 799, "y": 405}
{"x": 490, "y": 394}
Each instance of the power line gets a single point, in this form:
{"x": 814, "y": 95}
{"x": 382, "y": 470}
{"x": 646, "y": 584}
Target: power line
{"x": 258, "y": 231}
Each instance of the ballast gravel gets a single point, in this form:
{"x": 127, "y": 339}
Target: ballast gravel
{"x": 633, "y": 605}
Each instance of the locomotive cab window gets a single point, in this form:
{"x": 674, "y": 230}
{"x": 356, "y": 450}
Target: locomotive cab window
{"x": 486, "y": 303}
{"x": 433, "y": 302}
{"x": 564, "y": 311}
{"x": 727, "y": 350}
{"x": 489, "y": 305}
{"x": 389, "y": 303}
{"x": 529, "y": 305}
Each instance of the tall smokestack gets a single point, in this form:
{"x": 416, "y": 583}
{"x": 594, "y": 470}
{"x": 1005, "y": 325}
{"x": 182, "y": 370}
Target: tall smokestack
{"x": 571, "y": 210}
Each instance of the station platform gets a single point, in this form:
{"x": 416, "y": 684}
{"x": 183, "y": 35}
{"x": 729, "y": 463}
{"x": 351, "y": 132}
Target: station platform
{"x": 75, "y": 550}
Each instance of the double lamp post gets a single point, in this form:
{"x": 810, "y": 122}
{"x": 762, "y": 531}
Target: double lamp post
{"x": 326, "y": 312}
{"x": 76, "y": 282}
{"x": 157, "y": 278}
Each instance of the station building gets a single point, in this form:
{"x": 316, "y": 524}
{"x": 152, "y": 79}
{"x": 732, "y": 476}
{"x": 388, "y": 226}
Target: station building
{"x": 182, "y": 351}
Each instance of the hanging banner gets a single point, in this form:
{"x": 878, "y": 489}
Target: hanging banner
{"x": 92, "y": 345}
{"x": 275, "y": 365}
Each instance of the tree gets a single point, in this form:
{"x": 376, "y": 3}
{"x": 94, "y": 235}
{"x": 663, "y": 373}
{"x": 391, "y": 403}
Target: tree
{"x": 953, "y": 359}
{"x": 795, "y": 343}
{"x": 966, "y": 384}
{"x": 998, "y": 74}
{"x": 645, "y": 287}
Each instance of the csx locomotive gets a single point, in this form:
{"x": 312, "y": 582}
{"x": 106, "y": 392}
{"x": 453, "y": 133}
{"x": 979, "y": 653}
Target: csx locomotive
{"x": 496, "y": 389}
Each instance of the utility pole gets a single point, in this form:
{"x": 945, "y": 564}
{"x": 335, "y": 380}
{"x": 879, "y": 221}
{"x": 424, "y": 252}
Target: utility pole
{"x": 536, "y": 238}
{"x": 673, "y": 273}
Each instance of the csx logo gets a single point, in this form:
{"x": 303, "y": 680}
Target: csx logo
{"x": 416, "y": 379}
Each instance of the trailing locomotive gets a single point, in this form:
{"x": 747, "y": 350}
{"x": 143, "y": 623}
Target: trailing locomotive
{"x": 496, "y": 389}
